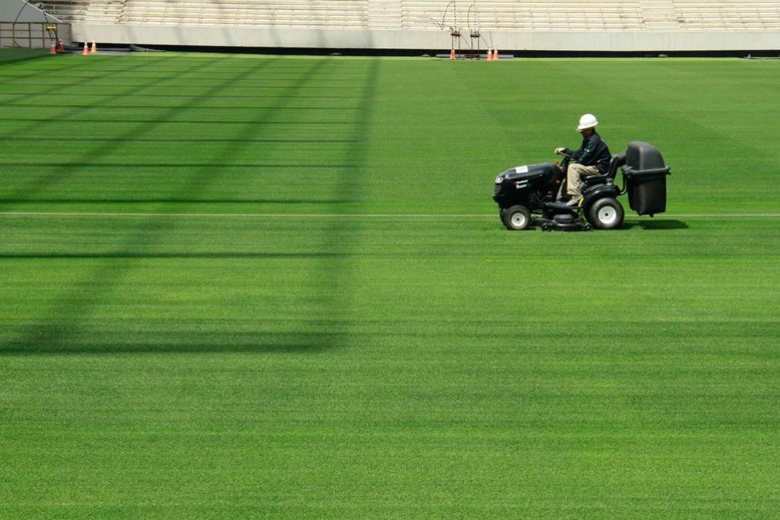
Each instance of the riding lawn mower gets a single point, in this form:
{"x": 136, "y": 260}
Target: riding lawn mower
{"x": 533, "y": 194}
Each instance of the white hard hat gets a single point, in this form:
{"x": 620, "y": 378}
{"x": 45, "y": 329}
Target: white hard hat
{"x": 587, "y": 121}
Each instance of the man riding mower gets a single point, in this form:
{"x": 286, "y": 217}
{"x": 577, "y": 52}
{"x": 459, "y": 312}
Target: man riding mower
{"x": 591, "y": 159}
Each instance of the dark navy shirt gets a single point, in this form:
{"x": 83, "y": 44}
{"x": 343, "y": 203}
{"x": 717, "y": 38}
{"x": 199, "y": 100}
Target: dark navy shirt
{"x": 593, "y": 152}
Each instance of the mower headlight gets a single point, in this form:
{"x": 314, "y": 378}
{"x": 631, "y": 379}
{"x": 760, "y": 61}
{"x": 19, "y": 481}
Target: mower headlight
{"x": 500, "y": 179}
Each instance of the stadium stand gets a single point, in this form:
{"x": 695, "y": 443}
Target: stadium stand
{"x": 728, "y": 15}
{"x": 497, "y": 15}
{"x": 520, "y": 24}
{"x": 316, "y": 14}
{"x": 537, "y": 15}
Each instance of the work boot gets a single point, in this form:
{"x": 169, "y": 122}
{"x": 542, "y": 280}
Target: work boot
{"x": 575, "y": 200}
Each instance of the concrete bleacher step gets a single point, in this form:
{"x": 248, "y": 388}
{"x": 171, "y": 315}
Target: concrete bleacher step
{"x": 659, "y": 15}
{"x": 384, "y": 14}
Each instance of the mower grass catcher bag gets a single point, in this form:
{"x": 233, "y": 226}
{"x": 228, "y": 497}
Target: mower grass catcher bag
{"x": 645, "y": 175}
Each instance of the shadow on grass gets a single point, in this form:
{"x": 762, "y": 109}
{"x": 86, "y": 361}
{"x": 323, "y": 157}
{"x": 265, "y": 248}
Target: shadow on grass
{"x": 69, "y": 112}
{"x": 165, "y": 255}
{"x": 231, "y": 122}
{"x": 17, "y": 55}
{"x": 263, "y": 85}
{"x": 64, "y": 327}
{"x": 119, "y": 140}
{"x": 220, "y": 108}
{"x": 65, "y": 202}
{"x": 59, "y": 174}
{"x": 262, "y": 343}
{"x": 655, "y": 225}
{"x": 60, "y": 95}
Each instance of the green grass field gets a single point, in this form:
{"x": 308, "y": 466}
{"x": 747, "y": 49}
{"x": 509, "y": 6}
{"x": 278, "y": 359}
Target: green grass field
{"x": 241, "y": 286}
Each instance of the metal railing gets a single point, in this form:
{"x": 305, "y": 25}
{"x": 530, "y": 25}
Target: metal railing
{"x": 32, "y": 35}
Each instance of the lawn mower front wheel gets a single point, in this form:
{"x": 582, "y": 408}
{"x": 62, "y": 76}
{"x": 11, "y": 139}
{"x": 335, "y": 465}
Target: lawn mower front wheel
{"x": 516, "y": 218}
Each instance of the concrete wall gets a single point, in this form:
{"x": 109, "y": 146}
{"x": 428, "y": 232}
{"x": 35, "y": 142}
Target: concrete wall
{"x": 425, "y": 40}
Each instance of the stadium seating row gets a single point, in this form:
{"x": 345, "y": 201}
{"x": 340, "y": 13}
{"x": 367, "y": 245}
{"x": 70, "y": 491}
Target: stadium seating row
{"x": 487, "y": 15}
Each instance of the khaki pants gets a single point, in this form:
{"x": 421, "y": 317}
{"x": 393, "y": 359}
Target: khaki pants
{"x": 573, "y": 176}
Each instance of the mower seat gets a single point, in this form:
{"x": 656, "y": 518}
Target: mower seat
{"x": 616, "y": 162}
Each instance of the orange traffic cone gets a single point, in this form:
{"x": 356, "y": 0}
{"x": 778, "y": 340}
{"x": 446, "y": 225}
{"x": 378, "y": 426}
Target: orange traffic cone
{"x": 495, "y": 55}
{"x": 94, "y": 47}
{"x": 86, "y": 50}
{"x": 52, "y": 50}
{"x": 60, "y": 48}
{"x": 452, "y": 55}
{"x": 490, "y": 55}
